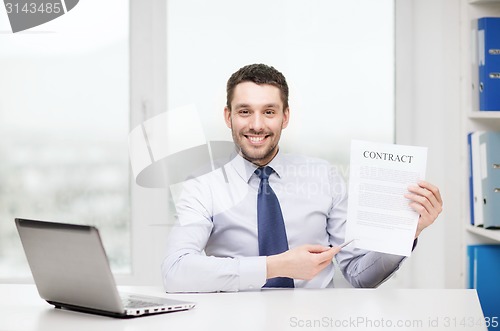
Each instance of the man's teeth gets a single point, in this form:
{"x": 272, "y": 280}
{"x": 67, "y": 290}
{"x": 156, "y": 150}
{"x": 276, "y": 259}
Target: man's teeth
{"x": 256, "y": 139}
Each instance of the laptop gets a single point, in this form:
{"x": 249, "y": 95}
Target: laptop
{"x": 71, "y": 271}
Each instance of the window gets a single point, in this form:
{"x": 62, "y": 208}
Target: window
{"x": 337, "y": 56}
{"x": 64, "y": 99}
{"x": 64, "y": 110}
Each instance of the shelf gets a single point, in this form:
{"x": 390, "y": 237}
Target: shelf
{"x": 484, "y": 114}
{"x": 483, "y": 1}
{"x": 491, "y": 234}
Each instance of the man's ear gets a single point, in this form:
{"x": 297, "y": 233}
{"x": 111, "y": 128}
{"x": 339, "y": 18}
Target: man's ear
{"x": 286, "y": 117}
{"x": 227, "y": 116}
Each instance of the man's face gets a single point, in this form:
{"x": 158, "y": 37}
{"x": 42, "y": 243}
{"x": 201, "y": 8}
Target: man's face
{"x": 256, "y": 119}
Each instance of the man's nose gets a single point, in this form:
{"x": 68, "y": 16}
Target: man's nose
{"x": 257, "y": 122}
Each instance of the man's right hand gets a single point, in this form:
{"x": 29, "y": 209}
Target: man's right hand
{"x": 303, "y": 262}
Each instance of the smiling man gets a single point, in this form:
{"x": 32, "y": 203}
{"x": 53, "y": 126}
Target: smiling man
{"x": 256, "y": 115}
{"x": 269, "y": 219}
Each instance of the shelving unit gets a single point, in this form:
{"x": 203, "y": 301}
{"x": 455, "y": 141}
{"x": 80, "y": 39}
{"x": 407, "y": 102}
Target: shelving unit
{"x": 482, "y": 1}
{"x": 474, "y": 120}
{"x": 484, "y": 114}
{"x": 492, "y": 235}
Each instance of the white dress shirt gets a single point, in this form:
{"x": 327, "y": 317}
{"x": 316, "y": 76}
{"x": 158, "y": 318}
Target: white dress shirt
{"x": 214, "y": 244}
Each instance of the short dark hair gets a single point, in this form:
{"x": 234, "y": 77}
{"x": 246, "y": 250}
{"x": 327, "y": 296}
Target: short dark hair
{"x": 258, "y": 74}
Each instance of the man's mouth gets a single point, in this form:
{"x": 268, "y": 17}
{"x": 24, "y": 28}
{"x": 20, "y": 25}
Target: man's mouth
{"x": 256, "y": 140}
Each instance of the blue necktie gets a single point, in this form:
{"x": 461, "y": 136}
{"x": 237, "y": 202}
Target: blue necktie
{"x": 271, "y": 227}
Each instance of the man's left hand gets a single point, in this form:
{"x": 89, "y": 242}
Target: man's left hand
{"x": 425, "y": 200}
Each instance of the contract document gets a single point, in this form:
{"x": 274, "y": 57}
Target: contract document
{"x": 379, "y": 217}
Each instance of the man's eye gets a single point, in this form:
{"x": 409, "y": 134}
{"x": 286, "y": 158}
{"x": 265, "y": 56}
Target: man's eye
{"x": 269, "y": 112}
{"x": 244, "y": 112}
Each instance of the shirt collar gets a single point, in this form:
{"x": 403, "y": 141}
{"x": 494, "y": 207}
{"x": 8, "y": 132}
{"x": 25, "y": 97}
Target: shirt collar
{"x": 246, "y": 169}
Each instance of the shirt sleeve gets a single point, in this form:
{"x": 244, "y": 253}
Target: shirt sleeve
{"x": 187, "y": 269}
{"x": 361, "y": 268}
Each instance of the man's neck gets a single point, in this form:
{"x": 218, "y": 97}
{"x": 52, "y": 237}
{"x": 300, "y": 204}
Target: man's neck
{"x": 264, "y": 163}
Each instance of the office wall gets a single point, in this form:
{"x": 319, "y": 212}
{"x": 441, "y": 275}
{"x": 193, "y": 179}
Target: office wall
{"x": 428, "y": 114}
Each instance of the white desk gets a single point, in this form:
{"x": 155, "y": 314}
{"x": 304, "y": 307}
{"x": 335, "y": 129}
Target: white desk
{"x": 329, "y": 309}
